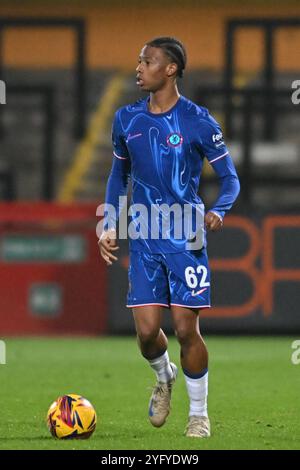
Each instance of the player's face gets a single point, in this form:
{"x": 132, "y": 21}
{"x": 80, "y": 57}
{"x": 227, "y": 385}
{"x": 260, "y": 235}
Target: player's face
{"x": 154, "y": 69}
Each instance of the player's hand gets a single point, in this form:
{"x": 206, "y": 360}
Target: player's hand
{"x": 213, "y": 221}
{"x": 107, "y": 245}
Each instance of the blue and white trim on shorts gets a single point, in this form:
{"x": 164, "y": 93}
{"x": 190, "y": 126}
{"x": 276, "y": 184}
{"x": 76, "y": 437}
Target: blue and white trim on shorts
{"x": 167, "y": 305}
{"x": 146, "y": 304}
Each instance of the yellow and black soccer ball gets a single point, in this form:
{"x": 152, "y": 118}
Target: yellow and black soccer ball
{"x": 71, "y": 417}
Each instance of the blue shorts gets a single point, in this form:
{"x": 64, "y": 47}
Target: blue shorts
{"x": 181, "y": 279}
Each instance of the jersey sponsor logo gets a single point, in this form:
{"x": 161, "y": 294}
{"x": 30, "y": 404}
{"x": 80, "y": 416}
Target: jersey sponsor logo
{"x": 175, "y": 139}
{"x": 218, "y": 140}
{"x": 217, "y": 137}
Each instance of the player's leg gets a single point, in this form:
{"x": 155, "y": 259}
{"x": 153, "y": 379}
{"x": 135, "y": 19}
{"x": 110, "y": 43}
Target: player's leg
{"x": 153, "y": 344}
{"x": 194, "y": 362}
{"x": 193, "y": 351}
{"x": 151, "y": 339}
{"x": 147, "y": 294}
{"x": 189, "y": 281}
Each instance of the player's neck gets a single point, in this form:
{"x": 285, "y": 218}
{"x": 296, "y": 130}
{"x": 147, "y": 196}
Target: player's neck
{"x": 163, "y": 100}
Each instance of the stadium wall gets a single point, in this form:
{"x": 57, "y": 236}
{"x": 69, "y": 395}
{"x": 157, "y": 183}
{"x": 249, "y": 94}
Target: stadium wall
{"x": 116, "y": 32}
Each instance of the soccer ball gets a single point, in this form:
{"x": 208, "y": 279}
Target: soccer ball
{"x": 71, "y": 417}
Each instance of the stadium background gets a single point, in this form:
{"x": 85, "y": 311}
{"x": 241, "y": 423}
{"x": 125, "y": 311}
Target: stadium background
{"x": 67, "y": 66}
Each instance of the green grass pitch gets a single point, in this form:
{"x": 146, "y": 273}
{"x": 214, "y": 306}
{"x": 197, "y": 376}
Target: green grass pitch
{"x": 253, "y": 394}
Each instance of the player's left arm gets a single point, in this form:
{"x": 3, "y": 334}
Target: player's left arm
{"x": 221, "y": 162}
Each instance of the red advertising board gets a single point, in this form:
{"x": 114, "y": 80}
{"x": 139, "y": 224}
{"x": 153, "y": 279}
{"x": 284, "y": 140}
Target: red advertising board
{"x": 52, "y": 280}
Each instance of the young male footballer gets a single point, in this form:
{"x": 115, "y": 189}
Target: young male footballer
{"x": 160, "y": 143}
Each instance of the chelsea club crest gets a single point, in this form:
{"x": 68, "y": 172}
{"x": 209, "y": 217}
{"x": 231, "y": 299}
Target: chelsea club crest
{"x": 175, "y": 139}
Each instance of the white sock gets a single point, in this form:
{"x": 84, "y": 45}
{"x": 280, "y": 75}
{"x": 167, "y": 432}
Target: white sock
{"x": 197, "y": 391}
{"x": 162, "y": 367}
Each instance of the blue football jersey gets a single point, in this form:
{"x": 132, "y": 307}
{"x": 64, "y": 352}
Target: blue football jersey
{"x": 163, "y": 156}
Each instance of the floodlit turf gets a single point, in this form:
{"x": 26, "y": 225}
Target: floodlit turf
{"x": 253, "y": 400}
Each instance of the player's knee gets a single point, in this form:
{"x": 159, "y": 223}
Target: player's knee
{"x": 147, "y": 335}
{"x": 185, "y": 335}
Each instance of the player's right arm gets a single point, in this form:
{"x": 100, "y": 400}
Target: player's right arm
{"x": 117, "y": 186}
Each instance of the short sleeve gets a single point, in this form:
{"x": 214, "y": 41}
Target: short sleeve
{"x": 211, "y": 140}
{"x": 118, "y": 141}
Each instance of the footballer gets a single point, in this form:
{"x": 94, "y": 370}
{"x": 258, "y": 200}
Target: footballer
{"x": 159, "y": 144}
